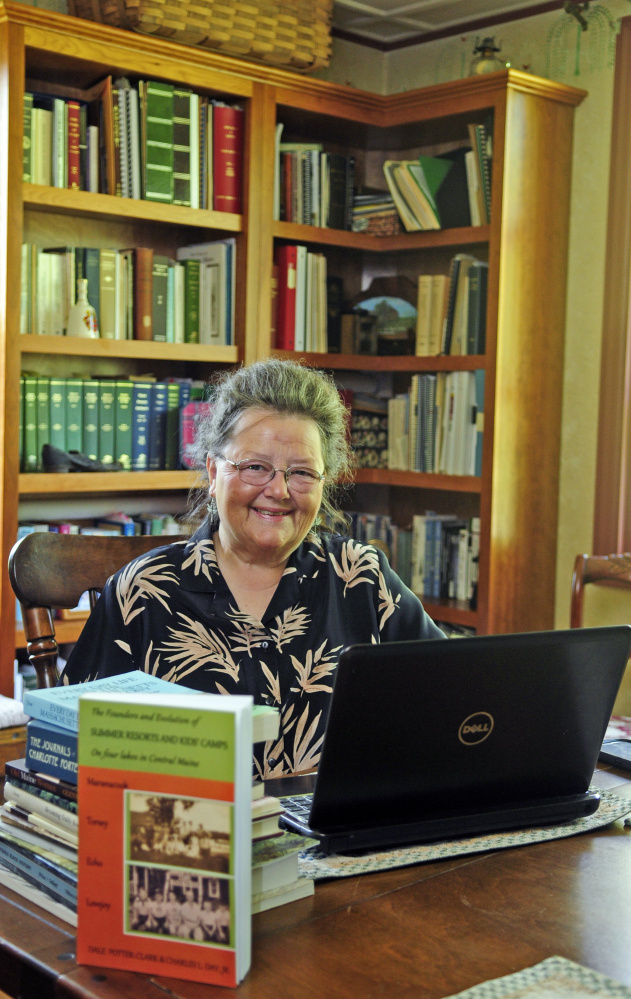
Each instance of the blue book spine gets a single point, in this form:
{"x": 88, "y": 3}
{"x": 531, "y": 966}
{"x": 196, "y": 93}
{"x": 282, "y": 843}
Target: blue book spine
{"x": 140, "y": 426}
{"x": 51, "y": 750}
{"x": 37, "y": 875}
{"x": 157, "y": 431}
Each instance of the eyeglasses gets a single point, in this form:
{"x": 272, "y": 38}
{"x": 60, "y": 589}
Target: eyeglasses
{"x": 258, "y": 473}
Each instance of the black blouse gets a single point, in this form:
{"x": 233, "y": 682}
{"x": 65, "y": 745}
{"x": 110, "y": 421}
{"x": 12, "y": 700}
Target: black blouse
{"x": 170, "y": 613}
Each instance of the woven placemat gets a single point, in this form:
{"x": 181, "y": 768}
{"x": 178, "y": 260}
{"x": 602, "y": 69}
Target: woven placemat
{"x": 317, "y": 865}
{"x": 554, "y": 978}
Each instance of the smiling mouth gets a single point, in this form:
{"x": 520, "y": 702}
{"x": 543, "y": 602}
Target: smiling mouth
{"x": 271, "y": 513}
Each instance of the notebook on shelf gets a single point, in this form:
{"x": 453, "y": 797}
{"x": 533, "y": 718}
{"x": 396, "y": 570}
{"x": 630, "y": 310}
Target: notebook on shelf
{"x": 435, "y": 739}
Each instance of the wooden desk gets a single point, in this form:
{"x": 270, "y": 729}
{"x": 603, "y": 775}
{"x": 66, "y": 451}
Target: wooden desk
{"x": 420, "y": 932}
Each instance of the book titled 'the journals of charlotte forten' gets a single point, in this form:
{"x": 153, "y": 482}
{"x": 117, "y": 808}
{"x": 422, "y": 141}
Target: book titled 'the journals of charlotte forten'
{"x": 165, "y": 835}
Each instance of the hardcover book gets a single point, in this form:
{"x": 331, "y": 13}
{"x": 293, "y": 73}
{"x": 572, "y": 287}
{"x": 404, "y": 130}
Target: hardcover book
{"x": 51, "y": 749}
{"x": 165, "y": 835}
{"x": 227, "y": 157}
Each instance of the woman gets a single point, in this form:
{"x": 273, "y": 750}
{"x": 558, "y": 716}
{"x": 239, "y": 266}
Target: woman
{"x": 261, "y": 600}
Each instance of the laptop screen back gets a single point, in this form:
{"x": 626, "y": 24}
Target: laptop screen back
{"x": 425, "y": 727}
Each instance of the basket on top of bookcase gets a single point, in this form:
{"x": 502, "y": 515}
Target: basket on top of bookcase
{"x": 291, "y": 33}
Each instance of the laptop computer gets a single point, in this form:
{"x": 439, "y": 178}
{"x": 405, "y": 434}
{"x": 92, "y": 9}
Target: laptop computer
{"x": 436, "y": 739}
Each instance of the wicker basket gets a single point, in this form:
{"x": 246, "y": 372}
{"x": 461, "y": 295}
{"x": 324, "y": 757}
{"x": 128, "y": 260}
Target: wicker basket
{"x": 291, "y": 33}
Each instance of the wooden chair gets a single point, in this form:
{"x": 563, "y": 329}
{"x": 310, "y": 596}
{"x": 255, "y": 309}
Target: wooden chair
{"x": 52, "y": 571}
{"x": 614, "y": 569}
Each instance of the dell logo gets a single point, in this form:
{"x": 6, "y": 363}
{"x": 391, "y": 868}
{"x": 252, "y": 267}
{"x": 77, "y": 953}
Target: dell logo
{"x": 476, "y": 728}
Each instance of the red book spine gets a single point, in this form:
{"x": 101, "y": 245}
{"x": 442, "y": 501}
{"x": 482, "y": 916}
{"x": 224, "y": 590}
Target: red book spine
{"x": 227, "y": 158}
{"x": 286, "y": 258}
{"x": 143, "y": 293}
{"x": 74, "y": 128}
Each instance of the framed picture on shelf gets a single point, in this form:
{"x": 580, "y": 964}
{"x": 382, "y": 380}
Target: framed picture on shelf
{"x": 387, "y": 311}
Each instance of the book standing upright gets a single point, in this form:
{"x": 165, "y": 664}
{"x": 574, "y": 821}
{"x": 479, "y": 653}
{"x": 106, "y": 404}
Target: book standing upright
{"x": 176, "y": 902}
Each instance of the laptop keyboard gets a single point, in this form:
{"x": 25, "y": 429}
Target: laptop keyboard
{"x": 297, "y": 805}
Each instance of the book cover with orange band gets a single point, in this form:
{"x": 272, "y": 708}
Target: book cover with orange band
{"x": 165, "y": 835}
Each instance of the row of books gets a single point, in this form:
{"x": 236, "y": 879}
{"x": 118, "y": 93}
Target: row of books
{"x": 300, "y": 315}
{"x": 185, "y": 854}
{"x": 451, "y": 309}
{"x": 445, "y": 191}
{"x": 143, "y": 424}
{"x": 314, "y": 187}
{"x": 137, "y": 294}
{"x": 445, "y": 554}
{"x": 438, "y": 426}
{"x": 436, "y": 555}
{"x": 149, "y": 139}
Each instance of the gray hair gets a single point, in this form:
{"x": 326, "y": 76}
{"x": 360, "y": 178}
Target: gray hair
{"x": 285, "y": 388}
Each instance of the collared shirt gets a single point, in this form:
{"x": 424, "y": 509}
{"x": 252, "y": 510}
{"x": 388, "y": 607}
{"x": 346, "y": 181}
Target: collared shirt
{"x": 170, "y": 613}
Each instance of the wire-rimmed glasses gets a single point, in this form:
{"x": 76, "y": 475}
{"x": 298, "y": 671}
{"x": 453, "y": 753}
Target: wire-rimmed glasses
{"x": 299, "y": 479}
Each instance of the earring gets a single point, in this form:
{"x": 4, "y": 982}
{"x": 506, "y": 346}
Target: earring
{"x": 211, "y": 506}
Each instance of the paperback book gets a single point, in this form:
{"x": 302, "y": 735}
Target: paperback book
{"x": 176, "y": 902}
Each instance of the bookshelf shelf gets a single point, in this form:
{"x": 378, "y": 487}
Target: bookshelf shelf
{"x": 143, "y": 350}
{"x": 36, "y": 484}
{"x": 470, "y": 236}
{"x": 451, "y": 612}
{"x": 366, "y": 362}
{"x": 418, "y": 480}
{"x": 104, "y": 206}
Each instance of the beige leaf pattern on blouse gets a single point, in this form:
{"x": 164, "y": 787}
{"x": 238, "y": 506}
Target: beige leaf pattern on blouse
{"x": 306, "y": 751}
{"x": 295, "y": 621}
{"x": 203, "y": 559}
{"x": 387, "y": 603}
{"x": 141, "y": 583}
{"x": 273, "y": 683}
{"x": 355, "y": 559}
{"x": 314, "y": 669}
{"x": 247, "y": 633}
{"x": 194, "y": 647}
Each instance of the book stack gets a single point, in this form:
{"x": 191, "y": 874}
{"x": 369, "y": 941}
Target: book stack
{"x": 445, "y": 550}
{"x": 301, "y": 317}
{"x": 314, "y": 187}
{"x": 375, "y": 213}
{"x": 150, "y": 140}
{"x": 137, "y": 294}
{"x": 39, "y": 820}
{"x": 141, "y": 423}
{"x": 446, "y": 191}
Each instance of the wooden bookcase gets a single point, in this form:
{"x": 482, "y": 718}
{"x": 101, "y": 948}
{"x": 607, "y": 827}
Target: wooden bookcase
{"x": 525, "y": 244}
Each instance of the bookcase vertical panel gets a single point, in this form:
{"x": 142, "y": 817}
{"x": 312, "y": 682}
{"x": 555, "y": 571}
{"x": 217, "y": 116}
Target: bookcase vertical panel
{"x": 11, "y": 89}
{"x": 529, "y": 362}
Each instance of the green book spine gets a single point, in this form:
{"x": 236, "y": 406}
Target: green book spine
{"x": 74, "y": 414}
{"x": 90, "y": 418}
{"x": 92, "y": 265}
{"x": 172, "y": 426}
{"x": 123, "y": 426}
{"x": 27, "y": 168}
{"x": 191, "y": 301}
{"x": 58, "y": 412}
{"x": 158, "y": 131}
{"x": 182, "y": 146}
{"x": 43, "y": 417}
{"x": 159, "y": 296}
{"x": 107, "y": 295}
{"x": 30, "y": 424}
{"x": 107, "y": 416}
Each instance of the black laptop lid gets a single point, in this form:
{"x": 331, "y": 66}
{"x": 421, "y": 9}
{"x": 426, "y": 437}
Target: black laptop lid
{"x": 424, "y": 727}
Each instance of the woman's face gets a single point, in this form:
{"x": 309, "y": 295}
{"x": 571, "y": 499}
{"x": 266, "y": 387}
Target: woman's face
{"x": 266, "y": 522}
